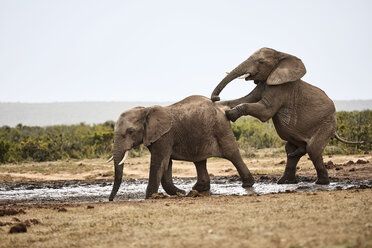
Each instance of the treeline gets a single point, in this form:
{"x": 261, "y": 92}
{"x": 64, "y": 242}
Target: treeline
{"x": 25, "y": 143}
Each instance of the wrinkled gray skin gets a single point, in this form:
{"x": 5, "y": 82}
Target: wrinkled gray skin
{"x": 193, "y": 129}
{"x": 303, "y": 114}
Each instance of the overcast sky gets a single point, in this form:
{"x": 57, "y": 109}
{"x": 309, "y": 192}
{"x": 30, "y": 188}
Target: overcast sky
{"x": 167, "y": 50}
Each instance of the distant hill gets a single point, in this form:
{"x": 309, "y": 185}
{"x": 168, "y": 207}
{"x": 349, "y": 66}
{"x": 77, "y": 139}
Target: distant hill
{"x": 47, "y": 114}
{"x": 353, "y": 105}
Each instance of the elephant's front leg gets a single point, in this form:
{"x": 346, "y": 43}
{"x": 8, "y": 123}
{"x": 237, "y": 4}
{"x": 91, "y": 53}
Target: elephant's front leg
{"x": 157, "y": 168}
{"x": 167, "y": 182}
{"x": 261, "y": 110}
{"x": 203, "y": 182}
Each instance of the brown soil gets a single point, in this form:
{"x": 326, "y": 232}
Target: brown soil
{"x": 339, "y": 166}
{"x": 322, "y": 219}
{"x": 341, "y": 218}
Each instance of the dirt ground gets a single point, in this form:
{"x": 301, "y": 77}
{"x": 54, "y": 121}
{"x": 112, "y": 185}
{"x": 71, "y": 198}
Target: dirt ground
{"x": 267, "y": 162}
{"x": 322, "y": 219}
{"x": 341, "y": 218}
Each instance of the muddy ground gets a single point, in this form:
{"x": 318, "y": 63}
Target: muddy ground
{"x": 304, "y": 216}
{"x": 346, "y": 172}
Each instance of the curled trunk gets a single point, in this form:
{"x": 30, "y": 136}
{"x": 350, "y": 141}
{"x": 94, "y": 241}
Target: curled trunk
{"x": 237, "y": 72}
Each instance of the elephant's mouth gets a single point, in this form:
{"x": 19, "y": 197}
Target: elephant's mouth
{"x": 249, "y": 76}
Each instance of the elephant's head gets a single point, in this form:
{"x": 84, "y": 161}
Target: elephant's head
{"x": 265, "y": 65}
{"x": 134, "y": 127}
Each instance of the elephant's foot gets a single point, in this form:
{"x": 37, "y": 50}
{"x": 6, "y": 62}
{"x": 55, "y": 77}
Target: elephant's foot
{"x": 174, "y": 190}
{"x": 287, "y": 180}
{"x": 322, "y": 181}
{"x": 201, "y": 187}
{"x": 248, "y": 182}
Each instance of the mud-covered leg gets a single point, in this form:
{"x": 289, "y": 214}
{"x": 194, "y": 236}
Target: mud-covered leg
{"x": 321, "y": 171}
{"x": 316, "y": 146}
{"x": 167, "y": 181}
{"x": 289, "y": 176}
{"x": 231, "y": 152}
{"x": 203, "y": 182}
{"x": 242, "y": 168}
{"x": 315, "y": 149}
{"x": 157, "y": 166}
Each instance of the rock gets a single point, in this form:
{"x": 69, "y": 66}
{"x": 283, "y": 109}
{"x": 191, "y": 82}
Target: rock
{"x": 90, "y": 207}
{"x": 18, "y": 228}
{"x": 352, "y": 169}
{"x": 5, "y": 223}
{"x": 9, "y": 211}
{"x": 30, "y": 222}
{"x": 62, "y": 210}
{"x": 329, "y": 165}
{"x": 361, "y": 161}
{"x": 350, "y": 163}
{"x": 282, "y": 162}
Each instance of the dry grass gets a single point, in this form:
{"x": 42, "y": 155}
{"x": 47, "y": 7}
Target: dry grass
{"x": 324, "y": 219}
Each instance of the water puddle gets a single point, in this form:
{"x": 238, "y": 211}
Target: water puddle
{"x": 134, "y": 189}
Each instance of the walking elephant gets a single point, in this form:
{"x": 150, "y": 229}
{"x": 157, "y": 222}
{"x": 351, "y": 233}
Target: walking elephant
{"x": 193, "y": 129}
{"x": 303, "y": 114}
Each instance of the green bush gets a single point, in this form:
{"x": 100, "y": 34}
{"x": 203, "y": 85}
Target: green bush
{"x": 4, "y": 149}
{"x": 353, "y": 126}
{"x": 24, "y": 143}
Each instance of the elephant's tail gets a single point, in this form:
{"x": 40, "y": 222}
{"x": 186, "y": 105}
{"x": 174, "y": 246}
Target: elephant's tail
{"x": 346, "y": 141}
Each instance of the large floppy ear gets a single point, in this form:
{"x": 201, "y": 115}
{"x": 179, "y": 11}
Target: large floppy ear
{"x": 158, "y": 122}
{"x": 289, "y": 69}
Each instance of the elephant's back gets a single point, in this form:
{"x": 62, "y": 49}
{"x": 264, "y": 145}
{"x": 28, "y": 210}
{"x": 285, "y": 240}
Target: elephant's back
{"x": 192, "y": 100}
{"x": 199, "y": 109}
{"x": 197, "y": 121}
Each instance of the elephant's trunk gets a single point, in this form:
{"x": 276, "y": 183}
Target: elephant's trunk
{"x": 237, "y": 72}
{"x": 119, "y": 156}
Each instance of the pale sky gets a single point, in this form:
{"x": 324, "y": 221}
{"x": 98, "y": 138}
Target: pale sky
{"x": 166, "y": 50}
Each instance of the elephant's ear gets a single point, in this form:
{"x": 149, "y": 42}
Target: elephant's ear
{"x": 289, "y": 69}
{"x": 158, "y": 122}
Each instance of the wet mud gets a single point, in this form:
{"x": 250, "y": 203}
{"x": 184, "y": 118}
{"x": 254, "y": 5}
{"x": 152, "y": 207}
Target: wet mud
{"x": 76, "y": 191}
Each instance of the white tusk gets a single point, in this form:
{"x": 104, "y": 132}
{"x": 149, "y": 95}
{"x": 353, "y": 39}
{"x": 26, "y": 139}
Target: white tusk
{"x": 227, "y": 72}
{"x": 124, "y": 158}
{"x": 110, "y": 159}
{"x": 244, "y": 76}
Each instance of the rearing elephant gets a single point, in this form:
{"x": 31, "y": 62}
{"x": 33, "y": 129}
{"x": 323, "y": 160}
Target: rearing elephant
{"x": 193, "y": 129}
{"x": 303, "y": 114}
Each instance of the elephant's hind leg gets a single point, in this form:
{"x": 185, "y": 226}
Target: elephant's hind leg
{"x": 289, "y": 176}
{"x": 315, "y": 149}
{"x": 167, "y": 181}
{"x": 230, "y": 151}
{"x": 203, "y": 182}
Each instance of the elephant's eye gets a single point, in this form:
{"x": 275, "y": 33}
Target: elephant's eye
{"x": 260, "y": 61}
{"x": 130, "y": 131}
